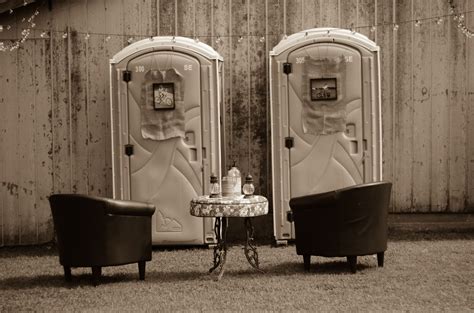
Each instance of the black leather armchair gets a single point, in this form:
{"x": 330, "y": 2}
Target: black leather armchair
{"x": 348, "y": 222}
{"x": 96, "y": 232}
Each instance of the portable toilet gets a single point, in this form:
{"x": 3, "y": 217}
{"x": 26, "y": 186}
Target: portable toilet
{"x": 166, "y": 132}
{"x": 325, "y": 116}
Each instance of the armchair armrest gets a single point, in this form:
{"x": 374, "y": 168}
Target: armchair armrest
{"x": 127, "y": 207}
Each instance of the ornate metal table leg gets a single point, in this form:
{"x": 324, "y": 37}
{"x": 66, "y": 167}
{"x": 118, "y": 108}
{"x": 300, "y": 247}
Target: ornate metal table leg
{"x": 220, "y": 250}
{"x": 249, "y": 249}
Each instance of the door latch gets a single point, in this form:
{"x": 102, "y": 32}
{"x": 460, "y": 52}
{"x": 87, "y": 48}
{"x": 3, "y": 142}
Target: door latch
{"x": 128, "y": 149}
{"x": 289, "y": 142}
{"x": 127, "y": 76}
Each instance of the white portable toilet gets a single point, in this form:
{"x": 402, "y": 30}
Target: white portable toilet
{"x": 166, "y": 132}
{"x": 325, "y": 116}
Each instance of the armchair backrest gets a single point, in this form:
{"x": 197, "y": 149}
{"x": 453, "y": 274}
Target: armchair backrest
{"x": 79, "y": 222}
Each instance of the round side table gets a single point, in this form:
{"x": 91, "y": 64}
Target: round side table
{"x": 221, "y": 209}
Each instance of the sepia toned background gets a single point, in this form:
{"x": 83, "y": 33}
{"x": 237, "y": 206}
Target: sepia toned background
{"x": 54, "y": 94}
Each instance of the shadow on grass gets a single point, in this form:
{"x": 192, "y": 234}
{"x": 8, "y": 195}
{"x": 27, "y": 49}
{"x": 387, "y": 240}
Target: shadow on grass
{"x": 55, "y": 281}
{"x": 84, "y": 280}
{"x": 37, "y": 251}
{"x": 334, "y": 267}
{"x": 429, "y": 235}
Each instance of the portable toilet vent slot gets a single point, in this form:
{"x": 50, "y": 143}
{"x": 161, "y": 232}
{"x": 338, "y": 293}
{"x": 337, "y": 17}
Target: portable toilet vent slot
{"x": 325, "y": 116}
{"x": 166, "y": 133}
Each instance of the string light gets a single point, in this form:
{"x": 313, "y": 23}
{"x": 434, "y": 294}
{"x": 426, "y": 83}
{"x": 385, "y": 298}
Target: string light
{"x": 458, "y": 17}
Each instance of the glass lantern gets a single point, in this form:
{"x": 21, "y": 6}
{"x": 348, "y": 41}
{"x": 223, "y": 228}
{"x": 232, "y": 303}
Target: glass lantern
{"x": 214, "y": 188}
{"x": 248, "y": 188}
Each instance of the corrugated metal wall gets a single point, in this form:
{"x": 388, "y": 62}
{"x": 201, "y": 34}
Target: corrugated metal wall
{"x": 54, "y": 96}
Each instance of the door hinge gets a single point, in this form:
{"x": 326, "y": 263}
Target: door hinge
{"x": 289, "y": 142}
{"x": 129, "y": 149}
{"x": 287, "y": 68}
{"x": 127, "y": 76}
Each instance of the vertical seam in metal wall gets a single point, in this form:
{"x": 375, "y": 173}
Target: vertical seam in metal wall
{"x": 302, "y": 15}
{"x": 267, "y": 85}
{"x": 431, "y": 109}
{"x": 87, "y": 108}
{"x": 248, "y": 81}
{"x": 176, "y": 17}
{"x": 338, "y": 13}
{"x": 412, "y": 100}
{"x": 158, "y": 4}
{"x": 448, "y": 165}
{"x": 17, "y": 135}
{"x": 321, "y": 14}
{"x": 231, "y": 68}
{"x": 357, "y": 15}
{"x": 69, "y": 56}
{"x": 394, "y": 75}
{"x": 465, "y": 105}
{"x": 212, "y": 19}
{"x": 52, "y": 106}
{"x": 194, "y": 20}
{"x": 469, "y": 108}
{"x": 375, "y": 39}
{"x": 35, "y": 207}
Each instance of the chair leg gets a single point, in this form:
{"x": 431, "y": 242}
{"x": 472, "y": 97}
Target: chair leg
{"x": 307, "y": 261}
{"x": 67, "y": 273}
{"x": 141, "y": 269}
{"x": 96, "y": 273}
{"x": 352, "y": 260}
{"x": 380, "y": 256}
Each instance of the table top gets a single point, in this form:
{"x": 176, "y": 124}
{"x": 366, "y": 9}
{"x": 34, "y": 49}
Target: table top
{"x": 239, "y": 206}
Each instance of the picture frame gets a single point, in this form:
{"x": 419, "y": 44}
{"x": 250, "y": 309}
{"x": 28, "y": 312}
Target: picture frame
{"x": 323, "y": 89}
{"x": 163, "y": 96}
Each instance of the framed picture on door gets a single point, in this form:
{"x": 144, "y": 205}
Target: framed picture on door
{"x": 163, "y": 96}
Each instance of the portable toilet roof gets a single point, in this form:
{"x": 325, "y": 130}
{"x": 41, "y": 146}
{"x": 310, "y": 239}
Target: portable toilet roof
{"x": 167, "y": 43}
{"x": 315, "y": 35}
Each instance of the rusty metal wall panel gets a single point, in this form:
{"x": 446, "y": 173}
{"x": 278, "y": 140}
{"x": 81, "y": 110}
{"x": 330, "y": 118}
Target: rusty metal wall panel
{"x": 427, "y": 95}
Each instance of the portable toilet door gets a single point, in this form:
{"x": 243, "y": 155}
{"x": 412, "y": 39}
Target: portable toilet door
{"x": 325, "y": 116}
{"x": 166, "y": 132}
